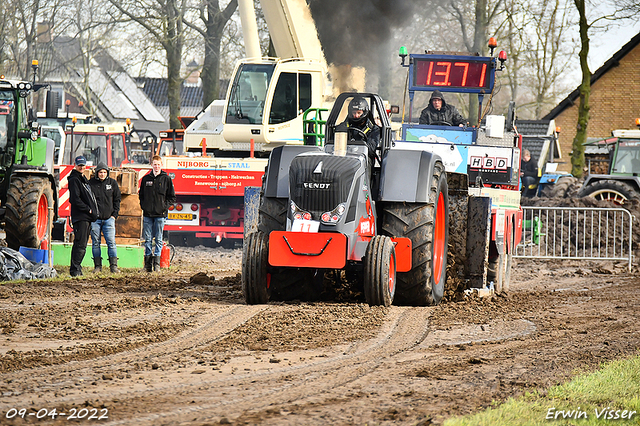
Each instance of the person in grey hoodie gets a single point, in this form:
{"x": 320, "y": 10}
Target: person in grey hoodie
{"x": 108, "y": 197}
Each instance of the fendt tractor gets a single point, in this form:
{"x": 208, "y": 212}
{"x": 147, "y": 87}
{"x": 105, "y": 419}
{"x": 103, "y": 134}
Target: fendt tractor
{"x": 28, "y": 196}
{"x": 390, "y": 223}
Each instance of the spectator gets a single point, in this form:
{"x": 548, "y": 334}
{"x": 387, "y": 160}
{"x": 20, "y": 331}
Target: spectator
{"x": 439, "y": 112}
{"x": 156, "y": 195}
{"x": 84, "y": 210}
{"x": 528, "y": 171}
{"x": 107, "y": 193}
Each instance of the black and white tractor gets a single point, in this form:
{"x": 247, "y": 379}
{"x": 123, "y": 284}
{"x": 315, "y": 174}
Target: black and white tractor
{"x": 356, "y": 204}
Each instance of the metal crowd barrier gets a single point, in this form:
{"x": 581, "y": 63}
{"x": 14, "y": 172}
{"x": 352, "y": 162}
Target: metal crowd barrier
{"x": 576, "y": 233}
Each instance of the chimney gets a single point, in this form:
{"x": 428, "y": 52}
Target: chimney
{"x": 194, "y": 74}
{"x": 44, "y": 32}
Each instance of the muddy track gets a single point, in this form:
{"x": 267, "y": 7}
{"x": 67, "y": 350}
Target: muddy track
{"x": 168, "y": 349}
{"x": 405, "y": 329}
{"x": 213, "y": 326}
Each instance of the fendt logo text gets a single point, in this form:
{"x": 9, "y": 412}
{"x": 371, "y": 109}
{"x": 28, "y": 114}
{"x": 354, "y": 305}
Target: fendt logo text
{"x": 311, "y": 185}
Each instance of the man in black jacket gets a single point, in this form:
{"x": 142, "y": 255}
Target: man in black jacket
{"x": 84, "y": 210}
{"x": 441, "y": 113}
{"x": 107, "y": 193}
{"x": 528, "y": 173}
{"x": 156, "y": 195}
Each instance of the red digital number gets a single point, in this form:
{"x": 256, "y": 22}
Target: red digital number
{"x": 444, "y": 73}
{"x": 464, "y": 65}
{"x": 482, "y": 75}
{"x": 429, "y": 73}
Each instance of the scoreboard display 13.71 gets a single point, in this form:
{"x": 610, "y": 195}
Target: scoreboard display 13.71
{"x": 450, "y": 73}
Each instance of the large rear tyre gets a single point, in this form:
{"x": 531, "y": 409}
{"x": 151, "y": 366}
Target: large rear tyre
{"x": 609, "y": 190}
{"x": 559, "y": 189}
{"x": 255, "y": 276}
{"x": 27, "y": 211}
{"x": 427, "y": 225}
{"x": 380, "y": 271}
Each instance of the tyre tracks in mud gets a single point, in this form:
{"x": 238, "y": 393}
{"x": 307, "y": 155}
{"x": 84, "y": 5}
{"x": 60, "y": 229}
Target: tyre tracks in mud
{"x": 51, "y": 381}
{"x": 165, "y": 397}
{"x": 243, "y": 394}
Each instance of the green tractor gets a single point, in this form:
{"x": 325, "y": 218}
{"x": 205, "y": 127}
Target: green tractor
{"x": 28, "y": 195}
{"x": 616, "y": 162}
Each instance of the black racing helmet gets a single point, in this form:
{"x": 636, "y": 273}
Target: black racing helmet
{"x": 358, "y": 103}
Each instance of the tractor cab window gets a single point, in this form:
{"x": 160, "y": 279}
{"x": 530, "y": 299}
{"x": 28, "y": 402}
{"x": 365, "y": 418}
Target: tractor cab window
{"x": 7, "y": 118}
{"x": 249, "y": 93}
{"x": 167, "y": 147}
{"x": 291, "y": 97}
{"x": 117, "y": 150}
{"x": 93, "y": 147}
{"x": 7, "y": 127}
{"x": 285, "y": 99}
{"x": 627, "y": 157}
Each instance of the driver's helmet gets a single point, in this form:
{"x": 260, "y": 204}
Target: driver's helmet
{"x": 357, "y": 104}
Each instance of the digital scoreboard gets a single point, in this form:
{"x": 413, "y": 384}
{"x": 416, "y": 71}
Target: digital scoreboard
{"x": 451, "y": 73}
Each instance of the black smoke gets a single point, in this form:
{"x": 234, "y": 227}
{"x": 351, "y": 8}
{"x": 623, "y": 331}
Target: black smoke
{"x": 358, "y": 33}
{"x": 353, "y": 31}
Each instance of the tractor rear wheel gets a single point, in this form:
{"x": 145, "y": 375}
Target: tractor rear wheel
{"x": 609, "y": 190}
{"x": 559, "y": 189}
{"x": 380, "y": 271}
{"x": 255, "y": 276}
{"x": 427, "y": 225}
{"x": 27, "y": 214}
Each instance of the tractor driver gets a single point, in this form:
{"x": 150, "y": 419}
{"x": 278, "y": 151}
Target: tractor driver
{"x": 441, "y": 113}
{"x": 358, "y": 118}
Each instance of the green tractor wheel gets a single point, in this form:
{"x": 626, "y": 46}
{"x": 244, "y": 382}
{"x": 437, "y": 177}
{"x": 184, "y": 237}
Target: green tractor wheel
{"x": 28, "y": 215}
{"x": 616, "y": 192}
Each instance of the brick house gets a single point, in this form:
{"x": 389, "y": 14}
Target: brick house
{"x": 614, "y": 101}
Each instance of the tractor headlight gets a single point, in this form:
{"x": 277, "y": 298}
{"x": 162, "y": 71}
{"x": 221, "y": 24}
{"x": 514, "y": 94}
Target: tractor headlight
{"x": 298, "y": 213}
{"x": 332, "y": 217}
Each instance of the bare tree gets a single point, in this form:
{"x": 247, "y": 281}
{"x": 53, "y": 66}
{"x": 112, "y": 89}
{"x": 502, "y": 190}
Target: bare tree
{"x": 547, "y": 53}
{"x": 475, "y": 20}
{"x": 214, "y": 20}
{"x": 164, "y": 21}
{"x": 89, "y": 29}
{"x": 19, "y": 32}
{"x": 540, "y": 51}
{"x": 577, "y": 156}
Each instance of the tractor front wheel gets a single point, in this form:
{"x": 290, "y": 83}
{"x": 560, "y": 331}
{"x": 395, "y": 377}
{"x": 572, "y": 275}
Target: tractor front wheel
{"x": 28, "y": 212}
{"x": 380, "y": 271}
{"x": 255, "y": 276}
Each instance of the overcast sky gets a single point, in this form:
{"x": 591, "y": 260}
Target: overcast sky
{"x": 603, "y": 46}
